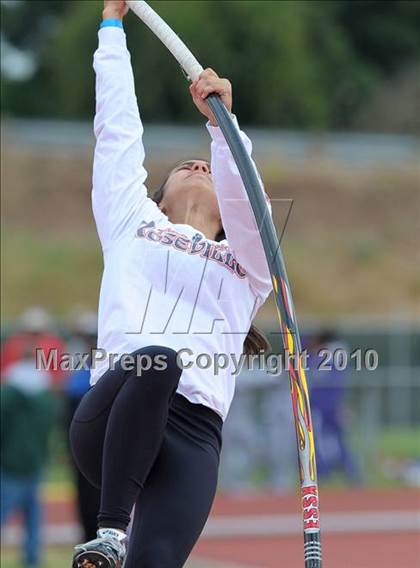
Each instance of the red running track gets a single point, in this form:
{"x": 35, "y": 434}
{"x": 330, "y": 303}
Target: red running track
{"x": 390, "y": 549}
{"x": 339, "y": 551}
{"x": 395, "y": 549}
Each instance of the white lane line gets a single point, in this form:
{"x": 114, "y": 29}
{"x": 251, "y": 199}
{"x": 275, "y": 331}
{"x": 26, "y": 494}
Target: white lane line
{"x": 55, "y": 535}
{"x": 256, "y": 525}
{"x": 268, "y": 525}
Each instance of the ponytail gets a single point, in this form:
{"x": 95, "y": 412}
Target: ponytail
{"x": 256, "y": 342}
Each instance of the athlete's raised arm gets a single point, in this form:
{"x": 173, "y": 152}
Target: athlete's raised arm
{"x": 119, "y": 195}
{"x": 237, "y": 216}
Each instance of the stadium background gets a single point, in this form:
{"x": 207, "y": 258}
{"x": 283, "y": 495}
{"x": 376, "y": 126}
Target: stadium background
{"x": 329, "y": 92}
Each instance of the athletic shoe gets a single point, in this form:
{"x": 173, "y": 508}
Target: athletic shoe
{"x": 103, "y": 552}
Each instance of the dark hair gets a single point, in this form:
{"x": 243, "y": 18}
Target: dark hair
{"x": 255, "y": 342}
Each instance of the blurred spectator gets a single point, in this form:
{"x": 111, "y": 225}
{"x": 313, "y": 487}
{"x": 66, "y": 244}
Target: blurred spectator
{"x": 83, "y": 331}
{"x": 241, "y": 448}
{"x": 280, "y": 451}
{"x": 83, "y": 340}
{"x": 27, "y": 416}
{"x": 34, "y": 331}
{"x": 259, "y": 436}
{"x": 327, "y": 396}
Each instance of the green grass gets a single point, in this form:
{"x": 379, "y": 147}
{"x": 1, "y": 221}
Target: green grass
{"x": 395, "y": 449}
{"x": 58, "y": 273}
{"x": 400, "y": 443}
{"x": 54, "y": 557}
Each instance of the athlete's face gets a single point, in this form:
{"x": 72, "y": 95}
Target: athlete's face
{"x": 189, "y": 186}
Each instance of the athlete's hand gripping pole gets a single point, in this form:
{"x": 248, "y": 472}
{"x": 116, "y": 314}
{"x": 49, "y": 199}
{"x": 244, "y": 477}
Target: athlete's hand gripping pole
{"x": 281, "y": 288}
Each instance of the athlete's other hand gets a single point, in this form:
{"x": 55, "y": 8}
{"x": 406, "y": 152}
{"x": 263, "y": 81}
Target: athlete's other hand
{"x": 114, "y": 9}
{"x": 209, "y": 82}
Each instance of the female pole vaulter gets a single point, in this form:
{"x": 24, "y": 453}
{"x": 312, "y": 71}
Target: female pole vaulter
{"x": 184, "y": 275}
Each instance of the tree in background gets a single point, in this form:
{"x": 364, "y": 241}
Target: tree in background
{"x": 296, "y": 64}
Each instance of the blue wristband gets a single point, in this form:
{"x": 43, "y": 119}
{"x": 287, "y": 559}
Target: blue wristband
{"x": 111, "y": 23}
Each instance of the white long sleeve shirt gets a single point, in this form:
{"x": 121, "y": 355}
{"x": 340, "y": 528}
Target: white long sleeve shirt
{"x": 165, "y": 283}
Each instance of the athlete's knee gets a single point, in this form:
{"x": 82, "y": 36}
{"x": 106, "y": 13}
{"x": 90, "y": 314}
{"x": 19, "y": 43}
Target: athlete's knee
{"x": 160, "y": 364}
{"x": 158, "y": 357}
